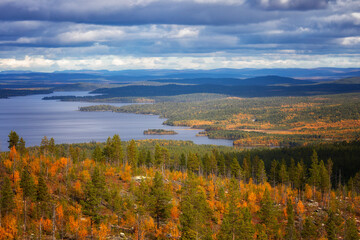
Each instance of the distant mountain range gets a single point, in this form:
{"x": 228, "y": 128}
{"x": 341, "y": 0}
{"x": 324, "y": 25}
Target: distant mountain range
{"x": 127, "y": 76}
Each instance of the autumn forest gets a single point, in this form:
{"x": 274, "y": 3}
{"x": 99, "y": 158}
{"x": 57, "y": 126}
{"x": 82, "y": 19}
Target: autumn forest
{"x": 158, "y": 189}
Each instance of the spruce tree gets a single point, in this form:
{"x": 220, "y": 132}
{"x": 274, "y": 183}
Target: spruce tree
{"x": 22, "y": 147}
{"x": 7, "y": 197}
{"x": 117, "y": 154}
{"x": 235, "y": 168}
{"x": 97, "y": 154}
{"x": 159, "y": 202}
{"x": 27, "y": 184}
{"x": 13, "y": 139}
{"x": 260, "y": 172}
{"x": 309, "y": 230}
{"x": 132, "y": 153}
{"x": 268, "y": 215}
{"x": 196, "y": 213}
{"x": 290, "y": 226}
{"x": 351, "y": 232}
{"x": 42, "y": 193}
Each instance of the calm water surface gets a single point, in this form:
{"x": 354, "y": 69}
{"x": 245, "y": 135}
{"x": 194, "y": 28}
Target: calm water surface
{"x": 33, "y": 118}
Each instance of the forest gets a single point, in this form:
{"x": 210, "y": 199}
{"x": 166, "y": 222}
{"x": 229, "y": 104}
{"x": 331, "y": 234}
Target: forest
{"x": 273, "y": 121}
{"x": 158, "y": 189}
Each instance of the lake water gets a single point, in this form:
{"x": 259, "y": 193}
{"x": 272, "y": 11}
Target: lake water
{"x": 33, "y": 118}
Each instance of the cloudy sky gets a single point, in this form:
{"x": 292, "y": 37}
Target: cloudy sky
{"x": 49, "y": 35}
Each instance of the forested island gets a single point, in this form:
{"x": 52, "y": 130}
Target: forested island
{"x": 157, "y": 189}
{"x": 159, "y": 132}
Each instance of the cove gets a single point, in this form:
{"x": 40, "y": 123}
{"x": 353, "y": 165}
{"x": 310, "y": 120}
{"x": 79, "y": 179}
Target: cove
{"x": 33, "y": 118}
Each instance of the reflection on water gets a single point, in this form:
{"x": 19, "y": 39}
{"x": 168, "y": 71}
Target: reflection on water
{"x": 33, "y": 118}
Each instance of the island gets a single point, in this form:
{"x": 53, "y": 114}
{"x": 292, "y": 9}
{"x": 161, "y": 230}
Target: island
{"x": 159, "y": 132}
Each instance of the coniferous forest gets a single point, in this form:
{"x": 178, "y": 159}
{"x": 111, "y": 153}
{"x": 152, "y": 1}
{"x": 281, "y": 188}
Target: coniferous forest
{"x": 158, "y": 189}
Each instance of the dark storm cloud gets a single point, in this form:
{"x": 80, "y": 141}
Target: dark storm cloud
{"x": 160, "y": 12}
{"x": 60, "y": 29}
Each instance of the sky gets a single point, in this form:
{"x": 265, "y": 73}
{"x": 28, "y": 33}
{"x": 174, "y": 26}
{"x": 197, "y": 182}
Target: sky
{"x": 52, "y": 35}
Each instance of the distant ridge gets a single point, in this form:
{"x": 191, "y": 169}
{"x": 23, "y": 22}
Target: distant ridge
{"x": 256, "y": 81}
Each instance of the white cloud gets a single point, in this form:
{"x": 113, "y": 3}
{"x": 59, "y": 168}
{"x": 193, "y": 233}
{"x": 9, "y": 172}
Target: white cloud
{"x": 216, "y": 60}
{"x": 350, "y": 41}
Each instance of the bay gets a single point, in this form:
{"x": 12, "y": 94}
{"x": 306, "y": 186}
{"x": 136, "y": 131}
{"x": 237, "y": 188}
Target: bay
{"x": 33, "y": 118}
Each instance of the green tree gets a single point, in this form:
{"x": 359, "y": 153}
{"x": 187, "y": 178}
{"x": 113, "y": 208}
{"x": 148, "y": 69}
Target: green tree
{"x": 237, "y": 221}
{"x": 27, "y": 184}
{"x": 42, "y": 192}
{"x": 260, "y": 172}
{"x": 193, "y": 163}
{"x": 290, "y": 226}
{"x": 247, "y": 168}
{"x": 309, "y": 230}
{"x": 235, "y": 168}
{"x": 183, "y": 162}
{"x": 268, "y": 215}
{"x": 196, "y": 213}
{"x": 91, "y": 203}
{"x": 22, "y": 147}
{"x": 97, "y": 154}
{"x": 314, "y": 178}
{"x": 283, "y": 173}
{"x": 274, "y": 172}
{"x": 158, "y": 157}
{"x": 149, "y": 159}
{"x": 117, "y": 154}
{"x": 351, "y": 232}
{"x": 13, "y": 139}
{"x": 132, "y": 153}
{"x": 159, "y": 202}
{"x": 299, "y": 176}
{"x": 7, "y": 197}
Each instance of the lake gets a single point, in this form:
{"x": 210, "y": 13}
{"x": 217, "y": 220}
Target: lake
{"x": 33, "y": 118}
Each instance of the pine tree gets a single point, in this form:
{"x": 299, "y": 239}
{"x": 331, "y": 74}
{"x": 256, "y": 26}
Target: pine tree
{"x": 283, "y": 173}
{"x": 290, "y": 226}
{"x": 247, "y": 168}
{"x": 13, "y": 139}
{"x": 22, "y": 147}
{"x": 235, "y": 168}
{"x": 142, "y": 157}
{"x": 42, "y": 193}
{"x": 97, "y": 154}
{"x": 299, "y": 176}
{"x": 268, "y": 215}
{"x": 52, "y": 146}
{"x": 196, "y": 213}
{"x": 159, "y": 202}
{"x": 91, "y": 203}
{"x": 314, "y": 179}
{"x": 193, "y": 163}
{"x": 182, "y": 162}
{"x": 117, "y": 154}
{"x": 351, "y": 232}
{"x": 237, "y": 221}
{"x": 309, "y": 230}
{"x": 7, "y": 197}
{"x": 158, "y": 160}
{"x": 27, "y": 184}
{"x": 221, "y": 165}
{"x": 98, "y": 182}
{"x": 132, "y": 153}
{"x": 274, "y": 172}
{"x": 148, "y": 160}
{"x": 260, "y": 172}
